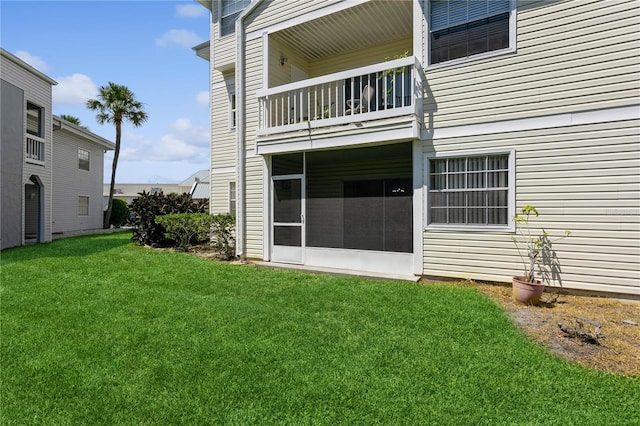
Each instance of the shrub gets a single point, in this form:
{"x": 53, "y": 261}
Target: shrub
{"x": 185, "y": 228}
{"x": 119, "y": 213}
{"x": 147, "y": 206}
{"x": 223, "y": 235}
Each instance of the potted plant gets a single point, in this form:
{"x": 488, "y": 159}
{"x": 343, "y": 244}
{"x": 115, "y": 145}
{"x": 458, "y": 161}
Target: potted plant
{"x": 531, "y": 246}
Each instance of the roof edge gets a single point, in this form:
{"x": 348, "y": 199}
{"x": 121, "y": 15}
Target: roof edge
{"x": 13, "y": 58}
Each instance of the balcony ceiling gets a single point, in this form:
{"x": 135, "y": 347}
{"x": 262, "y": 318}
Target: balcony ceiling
{"x": 369, "y": 24}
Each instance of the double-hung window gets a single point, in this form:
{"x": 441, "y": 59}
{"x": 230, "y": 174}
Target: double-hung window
{"x": 232, "y": 197}
{"x": 466, "y": 28}
{"x": 35, "y": 120}
{"x": 83, "y": 205}
{"x": 471, "y": 191}
{"x": 83, "y": 159}
{"x": 230, "y": 9}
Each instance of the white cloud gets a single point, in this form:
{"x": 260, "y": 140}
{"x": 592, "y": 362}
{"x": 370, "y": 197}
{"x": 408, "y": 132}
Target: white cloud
{"x": 32, "y": 60}
{"x": 202, "y": 98}
{"x": 185, "y": 142}
{"x": 182, "y": 38}
{"x": 75, "y": 89}
{"x": 191, "y": 10}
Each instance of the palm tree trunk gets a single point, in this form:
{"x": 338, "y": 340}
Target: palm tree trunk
{"x": 114, "y": 166}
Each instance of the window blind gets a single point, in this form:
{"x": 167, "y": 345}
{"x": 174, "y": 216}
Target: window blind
{"x": 449, "y": 13}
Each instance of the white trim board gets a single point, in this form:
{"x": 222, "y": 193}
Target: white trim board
{"x": 310, "y": 16}
{"x": 222, "y": 170}
{"x": 544, "y": 122}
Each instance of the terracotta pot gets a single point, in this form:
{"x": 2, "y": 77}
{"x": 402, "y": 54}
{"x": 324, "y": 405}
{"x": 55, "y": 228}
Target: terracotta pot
{"x": 525, "y": 292}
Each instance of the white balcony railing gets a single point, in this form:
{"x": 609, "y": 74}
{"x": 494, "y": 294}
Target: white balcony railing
{"x": 35, "y": 149}
{"x": 384, "y": 90}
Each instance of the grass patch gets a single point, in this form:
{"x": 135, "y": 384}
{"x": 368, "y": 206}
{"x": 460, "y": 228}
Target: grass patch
{"x": 96, "y": 330}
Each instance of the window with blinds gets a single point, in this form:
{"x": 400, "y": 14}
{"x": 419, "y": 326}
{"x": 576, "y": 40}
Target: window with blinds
{"x": 230, "y": 10}
{"x": 464, "y": 28}
{"x": 470, "y": 190}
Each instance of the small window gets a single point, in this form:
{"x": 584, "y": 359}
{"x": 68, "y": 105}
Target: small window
{"x": 35, "y": 120}
{"x": 232, "y": 110}
{"x": 83, "y": 205}
{"x": 83, "y": 159}
{"x": 230, "y": 10}
{"x": 471, "y": 191}
{"x": 465, "y": 28}
{"x": 232, "y": 197}
{"x": 155, "y": 190}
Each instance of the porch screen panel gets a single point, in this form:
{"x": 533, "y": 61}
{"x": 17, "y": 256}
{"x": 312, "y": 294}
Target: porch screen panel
{"x": 351, "y": 203}
{"x": 287, "y": 212}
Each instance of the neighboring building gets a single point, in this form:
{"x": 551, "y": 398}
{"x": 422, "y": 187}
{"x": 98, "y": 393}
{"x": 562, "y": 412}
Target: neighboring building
{"x": 197, "y": 185}
{"x": 78, "y": 168}
{"x": 343, "y": 156}
{"x": 37, "y": 177}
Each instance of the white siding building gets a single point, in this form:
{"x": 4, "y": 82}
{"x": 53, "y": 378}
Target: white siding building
{"x": 78, "y": 168}
{"x": 402, "y": 136}
{"x": 41, "y": 191}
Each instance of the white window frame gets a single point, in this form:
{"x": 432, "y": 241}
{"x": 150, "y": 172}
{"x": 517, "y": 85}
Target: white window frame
{"x": 82, "y": 150}
{"x": 236, "y": 13}
{"x": 513, "y": 22}
{"x": 80, "y": 197}
{"x": 233, "y": 109}
{"x": 511, "y": 197}
{"x": 37, "y": 112}
{"x": 232, "y": 197}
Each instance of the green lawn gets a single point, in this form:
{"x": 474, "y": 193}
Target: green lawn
{"x": 96, "y": 330}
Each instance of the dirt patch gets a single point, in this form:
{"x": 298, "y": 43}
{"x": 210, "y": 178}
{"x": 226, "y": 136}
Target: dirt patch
{"x": 615, "y": 323}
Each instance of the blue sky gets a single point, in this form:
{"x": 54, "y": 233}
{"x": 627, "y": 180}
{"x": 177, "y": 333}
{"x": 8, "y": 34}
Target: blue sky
{"x": 144, "y": 45}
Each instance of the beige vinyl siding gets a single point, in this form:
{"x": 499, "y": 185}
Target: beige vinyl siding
{"x": 224, "y": 48}
{"x": 270, "y": 12}
{"x": 581, "y": 178}
{"x": 223, "y": 143}
{"x": 220, "y": 192}
{"x": 253, "y": 83}
{"x": 571, "y": 56}
{"x": 254, "y": 165}
{"x": 69, "y": 182}
{"x": 254, "y": 206}
{"x": 370, "y": 56}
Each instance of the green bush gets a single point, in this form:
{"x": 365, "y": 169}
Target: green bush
{"x": 223, "y": 235}
{"x": 119, "y": 213}
{"x": 145, "y": 208}
{"x": 185, "y": 228}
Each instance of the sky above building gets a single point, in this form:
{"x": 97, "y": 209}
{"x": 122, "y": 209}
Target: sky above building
{"x": 144, "y": 45}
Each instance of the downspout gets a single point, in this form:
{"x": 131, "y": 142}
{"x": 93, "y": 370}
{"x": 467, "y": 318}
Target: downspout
{"x": 241, "y": 152}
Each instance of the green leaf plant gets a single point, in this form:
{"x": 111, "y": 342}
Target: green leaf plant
{"x": 532, "y": 247}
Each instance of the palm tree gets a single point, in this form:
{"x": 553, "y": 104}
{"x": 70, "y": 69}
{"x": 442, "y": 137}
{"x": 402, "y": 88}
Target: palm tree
{"x": 115, "y": 104}
{"x": 71, "y": 119}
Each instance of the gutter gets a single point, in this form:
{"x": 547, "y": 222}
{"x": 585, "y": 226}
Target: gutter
{"x": 61, "y": 124}
{"x": 241, "y": 152}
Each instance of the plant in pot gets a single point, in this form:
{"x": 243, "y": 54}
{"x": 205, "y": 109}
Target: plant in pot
{"x": 531, "y": 246}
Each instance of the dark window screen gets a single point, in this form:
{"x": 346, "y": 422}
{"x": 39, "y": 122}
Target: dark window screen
{"x": 360, "y": 199}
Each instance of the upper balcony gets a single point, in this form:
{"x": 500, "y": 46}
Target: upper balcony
{"x": 35, "y": 150}
{"x": 348, "y": 75}
{"x": 385, "y": 90}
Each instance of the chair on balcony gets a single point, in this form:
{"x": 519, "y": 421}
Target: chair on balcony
{"x": 362, "y": 104}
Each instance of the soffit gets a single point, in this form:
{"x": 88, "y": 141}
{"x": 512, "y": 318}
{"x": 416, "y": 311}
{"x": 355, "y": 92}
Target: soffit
{"x": 369, "y": 24}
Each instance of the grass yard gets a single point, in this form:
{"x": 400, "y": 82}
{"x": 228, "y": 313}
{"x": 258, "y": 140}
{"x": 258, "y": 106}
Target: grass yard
{"x": 96, "y": 330}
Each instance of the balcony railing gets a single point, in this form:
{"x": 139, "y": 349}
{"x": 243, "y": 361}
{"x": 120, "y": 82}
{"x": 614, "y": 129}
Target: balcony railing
{"x": 35, "y": 150}
{"x": 384, "y": 90}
